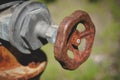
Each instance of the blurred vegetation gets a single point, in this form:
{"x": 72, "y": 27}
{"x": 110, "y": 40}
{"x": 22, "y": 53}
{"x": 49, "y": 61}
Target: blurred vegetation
{"x": 47, "y": 1}
{"x": 103, "y": 63}
{"x": 93, "y": 0}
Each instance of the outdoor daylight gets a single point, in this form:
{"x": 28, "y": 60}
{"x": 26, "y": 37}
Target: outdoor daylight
{"x": 60, "y": 40}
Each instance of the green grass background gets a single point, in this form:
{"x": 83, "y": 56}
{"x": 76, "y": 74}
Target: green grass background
{"x": 103, "y": 64}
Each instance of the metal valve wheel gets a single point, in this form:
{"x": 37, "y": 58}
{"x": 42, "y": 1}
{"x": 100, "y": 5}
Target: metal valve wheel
{"x": 69, "y": 38}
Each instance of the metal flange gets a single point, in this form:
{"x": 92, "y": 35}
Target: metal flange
{"x": 28, "y": 26}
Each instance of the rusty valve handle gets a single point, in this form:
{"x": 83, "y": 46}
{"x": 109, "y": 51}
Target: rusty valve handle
{"x": 69, "y": 38}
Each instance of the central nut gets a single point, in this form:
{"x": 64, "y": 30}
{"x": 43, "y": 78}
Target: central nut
{"x": 75, "y": 40}
{"x": 78, "y": 41}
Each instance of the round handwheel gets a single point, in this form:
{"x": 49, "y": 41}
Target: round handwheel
{"x": 69, "y": 38}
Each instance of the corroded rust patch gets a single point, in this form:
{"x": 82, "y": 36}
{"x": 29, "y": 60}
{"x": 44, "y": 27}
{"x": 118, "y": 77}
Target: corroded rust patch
{"x": 12, "y": 69}
{"x": 7, "y": 61}
{"x": 33, "y": 64}
{"x": 68, "y": 38}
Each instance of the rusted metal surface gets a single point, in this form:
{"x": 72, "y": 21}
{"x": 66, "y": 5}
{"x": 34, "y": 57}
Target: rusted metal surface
{"x": 68, "y": 38}
{"x": 14, "y": 68}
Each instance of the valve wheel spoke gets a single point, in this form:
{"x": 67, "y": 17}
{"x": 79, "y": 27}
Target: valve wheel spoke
{"x": 85, "y": 34}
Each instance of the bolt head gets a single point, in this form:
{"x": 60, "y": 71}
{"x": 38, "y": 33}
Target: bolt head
{"x": 78, "y": 41}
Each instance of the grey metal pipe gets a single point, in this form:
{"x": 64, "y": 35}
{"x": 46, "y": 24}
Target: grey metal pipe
{"x": 28, "y": 27}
